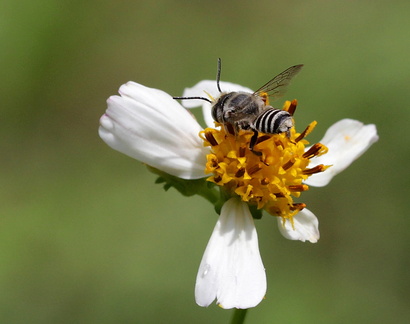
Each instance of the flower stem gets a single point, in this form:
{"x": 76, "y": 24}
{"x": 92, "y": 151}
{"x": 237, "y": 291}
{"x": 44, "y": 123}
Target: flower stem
{"x": 239, "y": 316}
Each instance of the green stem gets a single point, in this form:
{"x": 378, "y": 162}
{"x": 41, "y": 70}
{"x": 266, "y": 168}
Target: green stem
{"x": 239, "y": 316}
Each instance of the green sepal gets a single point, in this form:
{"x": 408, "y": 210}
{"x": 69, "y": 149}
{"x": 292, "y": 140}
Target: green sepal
{"x": 256, "y": 213}
{"x": 187, "y": 188}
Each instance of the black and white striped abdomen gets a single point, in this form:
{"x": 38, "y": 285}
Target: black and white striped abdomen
{"x": 273, "y": 121}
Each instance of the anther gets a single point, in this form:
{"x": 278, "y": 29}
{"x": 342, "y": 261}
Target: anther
{"x": 297, "y": 206}
{"x": 292, "y": 107}
{"x": 211, "y": 139}
{"x": 240, "y": 173}
{"x": 214, "y": 163}
{"x": 230, "y": 128}
{"x": 264, "y": 181}
{"x": 278, "y": 143}
{"x": 242, "y": 151}
{"x": 316, "y": 169}
{"x": 306, "y": 132}
{"x": 288, "y": 165}
{"x": 217, "y": 178}
{"x": 253, "y": 169}
{"x": 296, "y": 188}
{"x": 316, "y": 149}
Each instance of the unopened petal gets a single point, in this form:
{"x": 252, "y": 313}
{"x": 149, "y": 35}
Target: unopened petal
{"x": 305, "y": 227}
{"x": 204, "y": 89}
{"x": 231, "y": 269}
{"x": 150, "y": 126}
{"x": 346, "y": 140}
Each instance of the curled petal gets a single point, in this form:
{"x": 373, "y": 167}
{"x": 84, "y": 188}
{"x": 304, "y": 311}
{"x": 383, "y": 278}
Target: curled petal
{"x": 150, "y": 126}
{"x": 231, "y": 269}
{"x": 346, "y": 140}
{"x": 305, "y": 227}
{"x": 202, "y": 89}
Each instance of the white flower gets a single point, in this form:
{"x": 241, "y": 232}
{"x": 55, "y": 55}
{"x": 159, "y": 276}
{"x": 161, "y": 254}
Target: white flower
{"x": 346, "y": 140}
{"x": 150, "y": 126}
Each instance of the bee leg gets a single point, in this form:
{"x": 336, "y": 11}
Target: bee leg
{"x": 252, "y": 143}
{"x": 288, "y": 136}
{"x": 229, "y": 128}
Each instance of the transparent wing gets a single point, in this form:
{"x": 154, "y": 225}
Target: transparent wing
{"x": 278, "y": 85}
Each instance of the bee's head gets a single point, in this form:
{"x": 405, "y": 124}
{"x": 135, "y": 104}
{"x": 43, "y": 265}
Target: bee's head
{"x": 218, "y": 109}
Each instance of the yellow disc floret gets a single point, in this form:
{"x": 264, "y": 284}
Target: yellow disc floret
{"x": 270, "y": 179}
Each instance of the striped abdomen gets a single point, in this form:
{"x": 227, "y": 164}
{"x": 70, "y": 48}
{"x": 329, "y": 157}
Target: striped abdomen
{"x": 273, "y": 121}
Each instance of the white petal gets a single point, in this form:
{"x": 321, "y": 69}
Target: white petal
{"x": 305, "y": 227}
{"x": 231, "y": 269}
{"x": 150, "y": 126}
{"x": 202, "y": 89}
{"x": 347, "y": 140}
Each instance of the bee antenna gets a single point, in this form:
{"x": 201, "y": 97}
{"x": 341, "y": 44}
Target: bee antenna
{"x": 218, "y": 75}
{"x": 201, "y": 98}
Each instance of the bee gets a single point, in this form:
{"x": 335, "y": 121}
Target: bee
{"x": 250, "y": 111}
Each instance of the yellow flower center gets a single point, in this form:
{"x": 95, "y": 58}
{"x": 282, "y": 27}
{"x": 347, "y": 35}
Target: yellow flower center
{"x": 270, "y": 179}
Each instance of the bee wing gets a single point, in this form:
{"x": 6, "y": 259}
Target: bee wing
{"x": 278, "y": 85}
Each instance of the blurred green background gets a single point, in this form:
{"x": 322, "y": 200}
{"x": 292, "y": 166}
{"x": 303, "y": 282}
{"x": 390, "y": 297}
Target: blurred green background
{"x": 85, "y": 234}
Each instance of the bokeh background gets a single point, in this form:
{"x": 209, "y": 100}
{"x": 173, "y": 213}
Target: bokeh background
{"x": 85, "y": 234}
